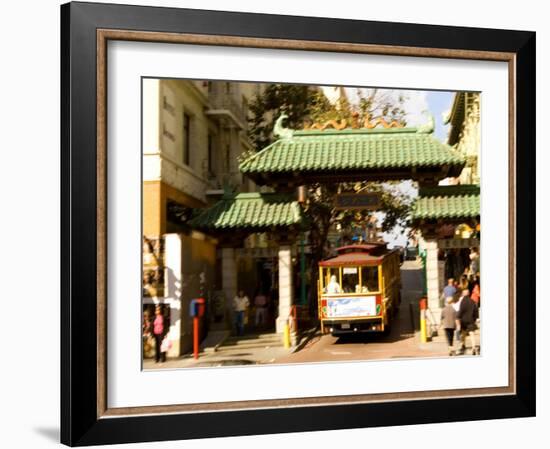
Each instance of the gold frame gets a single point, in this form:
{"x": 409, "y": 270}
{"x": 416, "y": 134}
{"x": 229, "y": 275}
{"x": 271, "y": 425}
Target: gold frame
{"x": 104, "y": 35}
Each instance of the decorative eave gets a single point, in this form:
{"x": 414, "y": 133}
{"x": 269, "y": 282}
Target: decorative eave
{"x": 458, "y": 114}
{"x": 458, "y": 202}
{"x": 333, "y": 152}
{"x": 249, "y": 212}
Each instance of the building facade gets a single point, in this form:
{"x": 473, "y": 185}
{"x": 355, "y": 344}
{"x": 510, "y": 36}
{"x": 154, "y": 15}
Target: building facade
{"x": 450, "y": 213}
{"x": 465, "y": 134}
{"x": 193, "y": 133}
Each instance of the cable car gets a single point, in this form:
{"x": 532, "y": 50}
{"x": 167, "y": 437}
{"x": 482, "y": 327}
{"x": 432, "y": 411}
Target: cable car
{"x": 359, "y": 290}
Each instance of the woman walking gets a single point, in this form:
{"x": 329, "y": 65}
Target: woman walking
{"x": 158, "y": 333}
{"x": 449, "y": 323}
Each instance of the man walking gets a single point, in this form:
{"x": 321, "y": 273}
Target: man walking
{"x": 467, "y": 316}
{"x": 449, "y": 291}
{"x": 240, "y": 306}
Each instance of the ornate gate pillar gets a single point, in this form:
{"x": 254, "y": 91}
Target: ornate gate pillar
{"x": 432, "y": 278}
{"x": 286, "y": 289}
{"x": 174, "y": 282}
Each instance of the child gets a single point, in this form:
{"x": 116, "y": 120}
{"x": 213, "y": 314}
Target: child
{"x": 449, "y": 323}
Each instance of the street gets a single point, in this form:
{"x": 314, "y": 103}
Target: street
{"x": 258, "y": 349}
{"x": 401, "y": 342}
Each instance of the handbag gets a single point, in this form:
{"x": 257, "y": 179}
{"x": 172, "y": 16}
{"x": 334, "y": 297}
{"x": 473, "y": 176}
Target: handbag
{"x": 165, "y": 345}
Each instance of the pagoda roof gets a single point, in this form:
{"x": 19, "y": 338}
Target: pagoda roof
{"x": 378, "y": 153}
{"x": 252, "y": 212}
{"x": 451, "y": 202}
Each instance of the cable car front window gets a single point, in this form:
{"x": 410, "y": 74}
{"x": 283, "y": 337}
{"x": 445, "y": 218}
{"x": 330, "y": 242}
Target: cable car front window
{"x": 332, "y": 281}
{"x": 350, "y": 280}
{"x": 369, "y": 279}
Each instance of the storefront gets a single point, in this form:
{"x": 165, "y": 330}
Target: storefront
{"x": 448, "y": 218}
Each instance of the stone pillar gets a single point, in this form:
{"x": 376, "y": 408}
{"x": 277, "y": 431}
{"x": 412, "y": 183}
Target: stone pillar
{"x": 173, "y": 289}
{"x": 229, "y": 277}
{"x": 286, "y": 290}
{"x": 432, "y": 279}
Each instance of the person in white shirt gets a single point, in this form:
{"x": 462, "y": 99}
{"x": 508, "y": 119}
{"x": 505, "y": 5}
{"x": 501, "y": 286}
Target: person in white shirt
{"x": 456, "y": 304}
{"x": 240, "y": 306}
{"x": 333, "y": 286}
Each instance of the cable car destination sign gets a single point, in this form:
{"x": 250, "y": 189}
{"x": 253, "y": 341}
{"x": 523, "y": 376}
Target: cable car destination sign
{"x": 358, "y": 201}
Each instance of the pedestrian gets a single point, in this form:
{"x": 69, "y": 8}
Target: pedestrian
{"x": 467, "y": 316}
{"x": 147, "y": 325}
{"x": 240, "y": 307}
{"x": 333, "y": 286}
{"x": 260, "y": 302}
{"x": 449, "y": 291}
{"x": 456, "y": 303}
{"x": 147, "y": 332}
{"x": 474, "y": 261}
{"x": 449, "y": 323}
{"x": 476, "y": 291}
{"x": 463, "y": 283}
{"x": 158, "y": 333}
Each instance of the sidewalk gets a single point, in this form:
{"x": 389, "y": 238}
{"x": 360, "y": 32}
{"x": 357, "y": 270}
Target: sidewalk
{"x": 441, "y": 341}
{"x": 225, "y": 350}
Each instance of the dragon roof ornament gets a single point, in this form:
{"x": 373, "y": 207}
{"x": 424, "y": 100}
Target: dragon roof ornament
{"x": 355, "y": 123}
{"x": 280, "y": 131}
{"x": 429, "y": 126}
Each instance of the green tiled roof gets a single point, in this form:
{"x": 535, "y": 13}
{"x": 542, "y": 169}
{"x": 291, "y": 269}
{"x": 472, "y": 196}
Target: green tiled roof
{"x": 453, "y": 190}
{"x": 249, "y": 211}
{"x": 351, "y": 150}
{"x": 460, "y": 201}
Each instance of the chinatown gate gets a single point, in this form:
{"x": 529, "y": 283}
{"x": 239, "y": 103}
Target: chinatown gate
{"x": 333, "y": 153}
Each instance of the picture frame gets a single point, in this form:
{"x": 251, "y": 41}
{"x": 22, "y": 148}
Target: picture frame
{"x": 86, "y": 29}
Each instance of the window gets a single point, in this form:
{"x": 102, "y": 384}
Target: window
{"x": 244, "y": 105}
{"x": 350, "y": 279}
{"x": 331, "y": 281}
{"x": 186, "y": 139}
{"x": 210, "y": 154}
{"x": 227, "y": 159}
{"x": 369, "y": 279}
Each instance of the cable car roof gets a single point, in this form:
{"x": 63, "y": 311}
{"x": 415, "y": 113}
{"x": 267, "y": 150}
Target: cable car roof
{"x": 369, "y": 254}
{"x": 353, "y": 259}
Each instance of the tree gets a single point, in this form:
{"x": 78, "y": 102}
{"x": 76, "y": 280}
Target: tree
{"x": 304, "y": 104}
{"x": 298, "y": 101}
{"x": 322, "y": 215}
{"x": 371, "y": 104}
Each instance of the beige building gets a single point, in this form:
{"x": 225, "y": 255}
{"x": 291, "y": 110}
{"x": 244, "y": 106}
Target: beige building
{"x": 193, "y": 133}
{"x": 465, "y": 134}
{"x": 447, "y": 255}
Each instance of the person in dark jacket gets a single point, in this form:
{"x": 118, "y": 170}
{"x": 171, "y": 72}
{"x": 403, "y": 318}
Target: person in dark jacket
{"x": 467, "y": 316}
